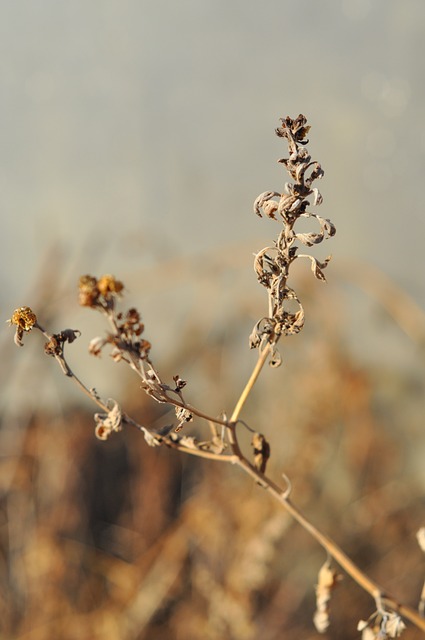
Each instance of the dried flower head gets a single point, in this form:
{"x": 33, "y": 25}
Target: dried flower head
{"x": 108, "y": 285}
{"x": 88, "y": 291}
{"x": 98, "y": 293}
{"x": 272, "y": 263}
{"x": 24, "y": 319}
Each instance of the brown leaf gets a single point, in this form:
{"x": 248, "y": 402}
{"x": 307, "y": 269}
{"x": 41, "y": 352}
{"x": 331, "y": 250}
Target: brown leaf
{"x": 261, "y": 451}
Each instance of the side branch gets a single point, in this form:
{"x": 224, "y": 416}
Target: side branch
{"x": 252, "y": 380}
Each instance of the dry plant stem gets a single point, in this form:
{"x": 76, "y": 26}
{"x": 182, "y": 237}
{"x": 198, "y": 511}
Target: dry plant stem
{"x": 66, "y": 369}
{"x": 238, "y": 458}
{"x": 262, "y": 357}
{"x": 327, "y": 543}
{"x": 70, "y": 374}
{"x": 282, "y": 496}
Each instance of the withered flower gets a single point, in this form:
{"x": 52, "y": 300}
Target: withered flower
{"x": 180, "y": 383}
{"x": 56, "y": 343}
{"x": 108, "y": 285}
{"x": 88, "y": 292}
{"x": 131, "y": 323}
{"x": 183, "y": 415}
{"x": 272, "y": 264}
{"x": 24, "y": 319}
{"x": 96, "y": 345}
{"x": 106, "y": 423}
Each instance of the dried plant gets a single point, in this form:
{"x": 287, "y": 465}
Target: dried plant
{"x": 127, "y": 344}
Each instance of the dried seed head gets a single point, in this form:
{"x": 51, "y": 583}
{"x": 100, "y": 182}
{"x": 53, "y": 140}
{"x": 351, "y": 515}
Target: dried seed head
{"x": 99, "y": 293}
{"x": 24, "y": 319}
{"x": 272, "y": 264}
{"x": 108, "y": 285}
{"x": 88, "y": 292}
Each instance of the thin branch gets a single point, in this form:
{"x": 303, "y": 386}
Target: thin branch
{"x": 262, "y": 357}
{"x": 366, "y": 583}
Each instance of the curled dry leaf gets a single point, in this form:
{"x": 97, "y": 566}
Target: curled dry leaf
{"x": 381, "y": 624}
{"x": 261, "y": 451}
{"x": 262, "y": 199}
{"x": 106, "y": 423}
{"x": 183, "y": 415}
{"x": 179, "y": 382}
{"x": 54, "y": 347}
{"x": 328, "y": 578}
{"x": 394, "y": 625}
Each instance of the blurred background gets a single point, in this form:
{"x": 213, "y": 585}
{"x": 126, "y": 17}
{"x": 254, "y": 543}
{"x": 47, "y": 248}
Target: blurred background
{"x": 135, "y": 138}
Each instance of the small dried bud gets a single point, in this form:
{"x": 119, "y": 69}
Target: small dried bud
{"x": 53, "y": 347}
{"x": 96, "y": 345}
{"x": 101, "y": 432}
{"x": 108, "y": 285}
{"x": 261, "y": 451}
{"x": 88, "y": 291}
{"x": 144, "y": 347}
{"x": 108, "y": 422}
{"x": 132, "y": 325}
{"x": 183, "y": 416}
{"x": 180, "y": 384}
{"x": 24, "y": 319}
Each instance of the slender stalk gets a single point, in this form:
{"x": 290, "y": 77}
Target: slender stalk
{"x": 348, "y": 565}
{"x": 262, "y": 357}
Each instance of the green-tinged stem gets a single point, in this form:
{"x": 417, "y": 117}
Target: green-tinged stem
{"x": 247, "y": 390}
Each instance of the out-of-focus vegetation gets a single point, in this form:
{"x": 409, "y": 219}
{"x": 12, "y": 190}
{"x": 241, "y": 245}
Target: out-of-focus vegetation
{"x": 117, "y": 540}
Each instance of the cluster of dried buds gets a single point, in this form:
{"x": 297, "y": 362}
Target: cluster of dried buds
{"x": 272, "y": 263}
{"x": 127, "y": 345}
{"x": 125, "y": 338}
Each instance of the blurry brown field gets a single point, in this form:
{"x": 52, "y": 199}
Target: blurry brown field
{"x": 117, "y": 540}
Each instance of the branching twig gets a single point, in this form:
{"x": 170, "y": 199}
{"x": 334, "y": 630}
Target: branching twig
{"x": 272, "y": 266}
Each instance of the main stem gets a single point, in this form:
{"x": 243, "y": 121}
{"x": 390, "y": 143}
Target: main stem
{"x": 327, "y": 543}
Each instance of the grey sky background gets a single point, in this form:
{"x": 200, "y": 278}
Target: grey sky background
{"x": 134, "y": 132}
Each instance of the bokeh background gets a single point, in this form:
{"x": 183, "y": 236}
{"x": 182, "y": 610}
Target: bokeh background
{"x": 135, "y": 138}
